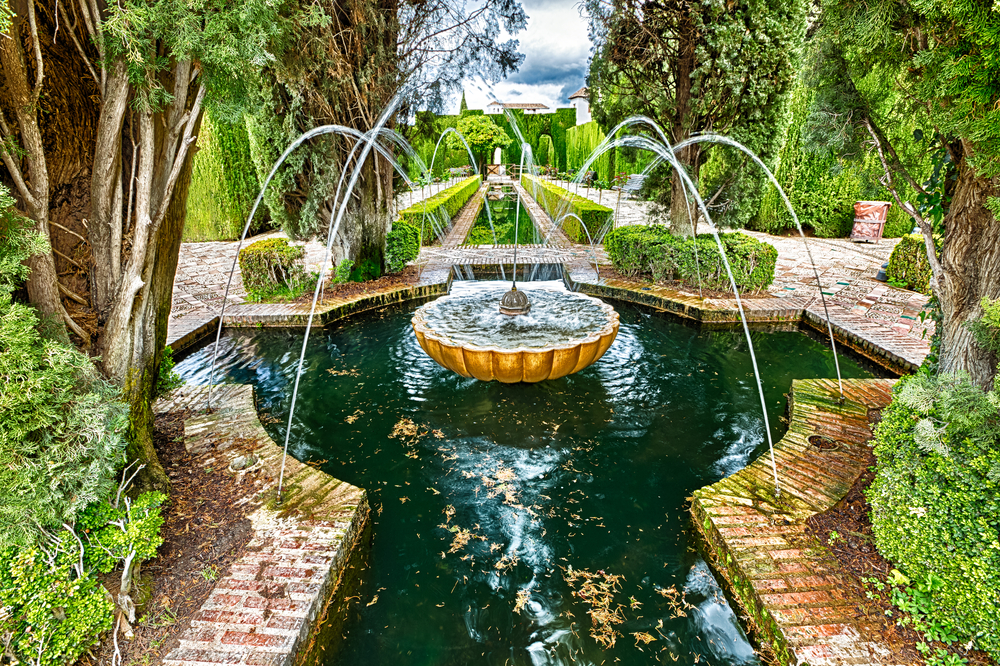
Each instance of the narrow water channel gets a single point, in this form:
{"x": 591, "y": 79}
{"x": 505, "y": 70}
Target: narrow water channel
{"x": 529, "y": 524}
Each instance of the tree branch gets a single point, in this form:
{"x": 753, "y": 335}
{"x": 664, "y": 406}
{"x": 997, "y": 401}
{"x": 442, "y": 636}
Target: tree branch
{"x": 175, "y": 171}
{"x": 79, "y": 47}
{"x": 39, "y": 64}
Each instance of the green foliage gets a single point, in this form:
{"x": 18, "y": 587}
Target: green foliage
{"x": 936, "y": 502}
{"x": 986, "y": 328}
{"x": 342, "y": 274}
{"x": 558, "y": 203}
{"x": 52, "y": 614}
{"x": 652, "y": 250}
{"x": 167, "y": 380}
{"x": 482, "y": 135}
{"x": 62, "y": 431}
{"x": 402, "y": 245}
{"x": 821, "y": 185}
{"x": 448, "y": 201}
{"x": 223, "y": 183}
{"x": 581, "y": 141}
{"x": 272, "y": 266}
{"x": 124, "y": 531}
{"x": 908, "y": 264}
{"x": 545, "y": 155}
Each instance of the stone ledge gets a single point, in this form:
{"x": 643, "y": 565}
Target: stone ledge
{"x": 788, "y": 587}
{"x": 267, "y": 607}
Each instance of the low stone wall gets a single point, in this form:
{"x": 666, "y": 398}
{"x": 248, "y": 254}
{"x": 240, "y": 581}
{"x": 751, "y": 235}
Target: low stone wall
{"x": 789, "y": 588}
{"x": 266, "y": 609}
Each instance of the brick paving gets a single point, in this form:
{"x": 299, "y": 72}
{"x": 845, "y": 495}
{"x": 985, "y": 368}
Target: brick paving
{"x": 791, "y": 590}
{"x": 872, "y": 318}
{"x": 264, "y": 609}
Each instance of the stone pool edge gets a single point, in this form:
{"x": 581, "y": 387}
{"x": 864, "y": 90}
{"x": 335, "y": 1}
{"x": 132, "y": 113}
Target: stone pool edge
{"x": 787, "y": 586}
{"x": 850, "y": 330}
{"x": 270, "y": 606}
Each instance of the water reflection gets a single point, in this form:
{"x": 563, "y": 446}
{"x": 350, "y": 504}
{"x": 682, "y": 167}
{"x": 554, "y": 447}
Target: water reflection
{"x": 488, "y": 495}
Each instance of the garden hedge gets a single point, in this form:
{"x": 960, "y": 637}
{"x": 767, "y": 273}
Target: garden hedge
{"x": 269, "y": 265}
{"x": 935, "y": 502}
{"x": 558, "y": 202}
{"x": 448, "y": 201}
{"x": 640, "y": 250}
{"x": 402, "y": 245}
{"x": 908, "y": 264}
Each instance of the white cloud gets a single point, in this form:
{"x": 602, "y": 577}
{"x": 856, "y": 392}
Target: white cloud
{"x": 556, "y": 49}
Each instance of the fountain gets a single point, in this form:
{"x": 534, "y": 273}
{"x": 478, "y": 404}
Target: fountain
{"x": 466, "y": 332}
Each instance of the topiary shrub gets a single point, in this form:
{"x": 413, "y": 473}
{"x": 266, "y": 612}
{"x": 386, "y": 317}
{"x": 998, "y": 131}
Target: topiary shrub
{"x": 440, "y": 208}
{"x": 270, "y": 267}
{"x": 402, "y": 245}
{"x": 935, "y": 501}
{"x": 558, "y": 202}
{"x": 636, "y": 249}
{"x": 908, "y": 264}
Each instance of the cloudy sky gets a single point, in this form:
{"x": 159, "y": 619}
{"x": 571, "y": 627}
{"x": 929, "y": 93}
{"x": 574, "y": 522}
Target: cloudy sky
{"x": 556, "y": 50}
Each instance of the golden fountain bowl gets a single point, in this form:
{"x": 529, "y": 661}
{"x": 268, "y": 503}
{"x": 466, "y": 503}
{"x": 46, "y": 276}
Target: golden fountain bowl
{"x": 521, "y": 364}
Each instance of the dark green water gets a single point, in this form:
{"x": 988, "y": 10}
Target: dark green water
{"x": 504, "y": 212}
{"x": 588, "y": 472}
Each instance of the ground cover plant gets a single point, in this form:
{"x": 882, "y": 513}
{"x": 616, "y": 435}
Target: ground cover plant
{"x": 62, "y": 514}
{"x": 638, "y": 250}
{"x": 936, "y": 507}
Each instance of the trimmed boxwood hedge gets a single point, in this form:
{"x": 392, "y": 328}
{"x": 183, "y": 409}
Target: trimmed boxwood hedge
{"x": 450, "y": 201}
{"x": 908, "y": 264}
{"x": 640, "y": 250}
{"x": 270, "y": 265}
{"x": 558, "y": 202}
{"x": 402, "y": 245}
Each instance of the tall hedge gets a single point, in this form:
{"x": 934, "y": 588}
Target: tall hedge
{"x": 637, "y": 250}
{"x": 558, "y": 202}
{"x": 935, "y": 501}
{"x": 821, "y": 186}
{"x": 441, "y": 207}
{"x": 546, "y": 153}
{"x": 223, "y": 183}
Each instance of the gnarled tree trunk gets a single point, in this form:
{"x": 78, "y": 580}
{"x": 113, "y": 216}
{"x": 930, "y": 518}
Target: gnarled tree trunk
{"x": 970, "y": 270}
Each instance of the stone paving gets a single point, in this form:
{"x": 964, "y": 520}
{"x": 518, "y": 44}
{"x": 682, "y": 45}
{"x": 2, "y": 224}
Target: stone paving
{"x": 791, "y": 590}
{"x": 264, "y": 609}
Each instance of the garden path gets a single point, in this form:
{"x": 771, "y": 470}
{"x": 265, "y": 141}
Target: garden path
{"x": 872, "y": 310}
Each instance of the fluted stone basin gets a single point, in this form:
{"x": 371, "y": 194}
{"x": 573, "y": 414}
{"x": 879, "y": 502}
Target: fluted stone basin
{"x": 564, "y": 333}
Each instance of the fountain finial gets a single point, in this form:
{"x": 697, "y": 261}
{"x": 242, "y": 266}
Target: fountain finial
{"x": 514, "y": 302}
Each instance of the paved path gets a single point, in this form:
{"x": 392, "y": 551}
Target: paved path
{"x": 869, "y": 310}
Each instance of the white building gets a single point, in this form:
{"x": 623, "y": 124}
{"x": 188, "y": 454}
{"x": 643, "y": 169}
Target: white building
{"x": 529, "y": 108}
{"x": 581, "y": 102}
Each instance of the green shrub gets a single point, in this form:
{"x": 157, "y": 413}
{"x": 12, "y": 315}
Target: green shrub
{"x": 637, "y": 249}
{"x": 62, "y": 429}
{"x": 342, "y": 274}
{"x": 271, "y": 266}
{"x": 558, "y": 202}
{"x": 402, "y": 245}
{"x": 52, "y": 613}
{"x": 986, "y": 329}
{"x": 448, "y": 201}
{"x": 167, "y": 380}
{"x": 908, "y": 264}
{"x": 935, "y": 501}
{"x": 122, "y": 531}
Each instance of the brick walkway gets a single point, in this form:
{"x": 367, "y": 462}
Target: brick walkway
{"x": 265, "y": 607}
{"x": 792, "y": 591}
{"x": 868, "y": 315}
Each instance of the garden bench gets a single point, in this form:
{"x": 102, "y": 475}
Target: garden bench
{"x": 634, "y": 184}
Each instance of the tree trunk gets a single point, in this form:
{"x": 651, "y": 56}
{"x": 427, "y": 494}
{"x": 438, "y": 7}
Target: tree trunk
{"x": 970, "y": 260}
{"x": 683, "y": 205}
